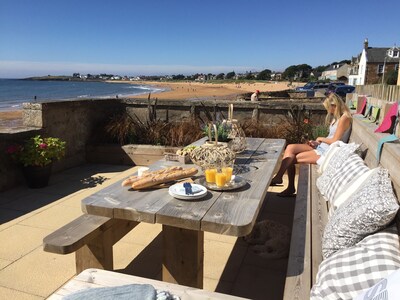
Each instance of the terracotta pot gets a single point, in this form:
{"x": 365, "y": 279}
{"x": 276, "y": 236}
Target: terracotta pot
{"x": 36, "y": 176}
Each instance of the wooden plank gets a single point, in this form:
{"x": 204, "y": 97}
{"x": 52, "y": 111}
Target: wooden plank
{"x": 235, "y": 212}
{"x": 298, "y": 275}
{"x": 94, "y": 278}
{"x": 319, "y": 217}
{"x": 183, "y": 259}
{"x": 76, "y": 234}
{"x": 123, "y": 203}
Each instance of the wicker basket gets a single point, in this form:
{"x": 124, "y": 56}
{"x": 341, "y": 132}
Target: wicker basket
{"x": 212, "y": 153}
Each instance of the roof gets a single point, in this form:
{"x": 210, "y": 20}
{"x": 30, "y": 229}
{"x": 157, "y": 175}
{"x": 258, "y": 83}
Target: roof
{"x": 377, "y": 55}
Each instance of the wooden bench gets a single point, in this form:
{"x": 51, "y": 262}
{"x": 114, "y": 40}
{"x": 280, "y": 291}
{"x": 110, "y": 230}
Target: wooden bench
{"x": 91, "y": 238}
{"x": 95, "y": 278}
{"x": 311, "y": 211}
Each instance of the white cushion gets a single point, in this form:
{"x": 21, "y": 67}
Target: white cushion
{"x": 387, "y": 288}
{"x": 368, "y": 210}
{"x": 349, "y": 271}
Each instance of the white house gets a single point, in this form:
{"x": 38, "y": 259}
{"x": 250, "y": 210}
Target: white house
{"x": 372, "y": 64}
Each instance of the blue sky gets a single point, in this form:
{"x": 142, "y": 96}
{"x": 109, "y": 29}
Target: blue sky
{"x": 40, "y": 37}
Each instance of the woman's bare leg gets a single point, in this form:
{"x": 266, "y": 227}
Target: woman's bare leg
{"x": 304, "y": 157}
{"x": 289, "y": 159}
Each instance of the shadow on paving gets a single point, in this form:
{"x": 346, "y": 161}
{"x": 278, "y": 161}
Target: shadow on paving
{"x": 17, "y": 202}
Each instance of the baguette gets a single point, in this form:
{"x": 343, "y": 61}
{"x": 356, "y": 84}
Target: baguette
{"x": 151, "y": 181}
{"x": 132, "y": 179}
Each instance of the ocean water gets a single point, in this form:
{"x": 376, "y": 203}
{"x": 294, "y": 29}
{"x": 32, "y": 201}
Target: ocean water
{"x": 14, "y": 92}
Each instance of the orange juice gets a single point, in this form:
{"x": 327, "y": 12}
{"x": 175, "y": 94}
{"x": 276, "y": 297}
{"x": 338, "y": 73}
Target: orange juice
{"x": 220, "y": 179}
{"x": 228, "y": 173}
{"x": 210, "y": 175}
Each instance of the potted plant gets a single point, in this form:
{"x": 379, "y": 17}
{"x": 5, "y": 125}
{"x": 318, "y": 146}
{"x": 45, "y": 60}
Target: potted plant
{"x": 36, "y": 156}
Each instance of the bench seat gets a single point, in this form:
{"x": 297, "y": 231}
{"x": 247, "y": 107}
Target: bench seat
{"x": 91, "y": 238}
{"x": 311, "y": 211}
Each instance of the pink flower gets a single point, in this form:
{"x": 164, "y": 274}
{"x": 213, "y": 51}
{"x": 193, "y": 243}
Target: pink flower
{"x": 306, "y": 121}
{"x": 43, "y": 146}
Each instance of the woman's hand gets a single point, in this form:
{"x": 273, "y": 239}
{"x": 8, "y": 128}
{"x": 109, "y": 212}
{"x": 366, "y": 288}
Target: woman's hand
{"x": 313, "y": 144}
{"x": 319, "y": 140}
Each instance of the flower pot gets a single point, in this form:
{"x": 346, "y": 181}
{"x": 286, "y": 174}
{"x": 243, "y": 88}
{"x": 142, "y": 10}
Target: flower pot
{"x": 36, "y": 176}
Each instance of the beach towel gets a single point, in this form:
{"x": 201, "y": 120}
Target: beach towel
{"x": 387, "y": 139}
{"x": 387, "y": 125}
{"x": 361, "y": 108}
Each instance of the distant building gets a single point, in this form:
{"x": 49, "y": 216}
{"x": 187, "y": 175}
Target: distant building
{"x": 276, "y": 76}
{"x": 373, "y": 64}
{"x": 336, "y": 72}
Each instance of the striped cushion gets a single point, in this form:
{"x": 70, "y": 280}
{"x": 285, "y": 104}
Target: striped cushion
{"x": 352, "y": 168}
{"x": 334, "y": 164}
{"x": 349, "y": 271}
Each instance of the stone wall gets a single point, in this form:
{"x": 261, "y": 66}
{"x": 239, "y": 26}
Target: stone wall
{"x": 76, "y": 122}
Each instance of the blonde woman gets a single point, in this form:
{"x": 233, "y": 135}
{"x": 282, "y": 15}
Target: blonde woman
{"x": 339, "y": 120}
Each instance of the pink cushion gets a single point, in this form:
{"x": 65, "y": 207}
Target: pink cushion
{"x": 389, "y": 119}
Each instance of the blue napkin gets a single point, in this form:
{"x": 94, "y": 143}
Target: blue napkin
{"x": 123, "y": 292}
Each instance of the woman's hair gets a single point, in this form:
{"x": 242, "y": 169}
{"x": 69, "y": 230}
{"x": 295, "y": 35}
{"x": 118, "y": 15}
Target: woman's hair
{"x": 341, "y": 108}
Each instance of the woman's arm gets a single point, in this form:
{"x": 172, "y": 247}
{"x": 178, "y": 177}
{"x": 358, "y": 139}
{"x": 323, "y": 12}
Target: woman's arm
{"x": 343, "y": 125}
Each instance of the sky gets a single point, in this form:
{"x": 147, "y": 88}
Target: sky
{"x": 147, "y": 37}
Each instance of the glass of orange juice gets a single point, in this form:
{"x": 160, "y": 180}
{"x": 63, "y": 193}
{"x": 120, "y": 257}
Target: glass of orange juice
{"x": 228, "y": 170}
{"x": 210, "y": 174}
{"x": 220, "y": 179}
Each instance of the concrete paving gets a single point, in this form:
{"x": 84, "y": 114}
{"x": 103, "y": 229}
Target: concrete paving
{"x": 28, "y": 215}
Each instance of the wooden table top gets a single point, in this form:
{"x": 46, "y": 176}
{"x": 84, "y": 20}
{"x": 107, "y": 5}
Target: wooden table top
{"x": 228, "y": 212}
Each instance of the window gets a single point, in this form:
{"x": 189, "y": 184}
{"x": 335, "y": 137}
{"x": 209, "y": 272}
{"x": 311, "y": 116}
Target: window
{"x": 380, "y": 69}
{"x": 396, "y": 67}
{"x": 396, "y": 53}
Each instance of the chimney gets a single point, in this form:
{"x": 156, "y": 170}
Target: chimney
{"x": 366, "y": 44}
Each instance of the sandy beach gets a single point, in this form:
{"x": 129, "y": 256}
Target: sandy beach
{"x": 190, "y": 90}
{"x": 178, "y": 91}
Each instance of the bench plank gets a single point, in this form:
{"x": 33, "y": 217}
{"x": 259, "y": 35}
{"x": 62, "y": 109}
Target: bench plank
{"x": 91, "y": 238}
{"x": 298, "y": 283}
{"x": 93, "y": 278}
{"x": 319, "y": 218}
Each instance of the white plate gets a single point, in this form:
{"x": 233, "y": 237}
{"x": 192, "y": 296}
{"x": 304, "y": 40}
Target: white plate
{"x": 235, "y": 183}
{"x": 178, "y": 191}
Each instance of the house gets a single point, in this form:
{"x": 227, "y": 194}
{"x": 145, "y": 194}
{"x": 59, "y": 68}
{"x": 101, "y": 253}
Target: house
{"x": 335, "y": 72}
{"x": 373, "y": 64}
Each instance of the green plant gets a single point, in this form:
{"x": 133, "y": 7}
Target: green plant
{"x": 222, "y": 132}
{"x": 37, "y": 151}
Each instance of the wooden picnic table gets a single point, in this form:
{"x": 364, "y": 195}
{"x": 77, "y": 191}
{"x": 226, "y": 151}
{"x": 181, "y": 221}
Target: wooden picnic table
{"x": 184, "y": 222}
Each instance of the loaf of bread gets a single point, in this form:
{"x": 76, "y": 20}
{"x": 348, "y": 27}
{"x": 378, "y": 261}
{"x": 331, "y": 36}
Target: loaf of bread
{"x": 132, "y": 179}
{"x": 156, "y": 179}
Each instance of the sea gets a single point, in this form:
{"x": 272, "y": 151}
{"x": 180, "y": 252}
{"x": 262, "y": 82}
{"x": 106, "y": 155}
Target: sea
{"x": 14, "y": 92}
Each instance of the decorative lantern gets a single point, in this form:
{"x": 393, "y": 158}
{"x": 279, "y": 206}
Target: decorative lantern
{"x": 236, "y": 133}
{"x": 212, "y": 153}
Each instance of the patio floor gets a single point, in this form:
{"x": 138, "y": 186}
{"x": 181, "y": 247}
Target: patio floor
{"x": 28, "y": 215}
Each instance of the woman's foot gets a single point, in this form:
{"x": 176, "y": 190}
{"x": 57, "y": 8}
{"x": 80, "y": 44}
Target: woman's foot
{"x": 276, "y": 181}
{"x": 287, "y": 193}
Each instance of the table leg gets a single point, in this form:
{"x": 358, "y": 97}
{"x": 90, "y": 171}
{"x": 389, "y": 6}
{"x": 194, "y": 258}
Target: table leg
{"x": 183, "y": 256}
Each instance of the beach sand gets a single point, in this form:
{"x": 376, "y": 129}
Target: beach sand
{"x": 177, "y": 91}
{"x": 10, "y": 119}
{"x": 190, "y": 90}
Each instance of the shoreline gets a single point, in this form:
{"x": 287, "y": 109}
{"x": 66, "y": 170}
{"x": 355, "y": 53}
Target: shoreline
{"x": 175, "y": 91}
